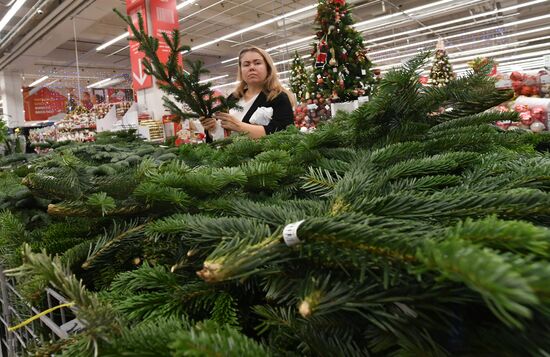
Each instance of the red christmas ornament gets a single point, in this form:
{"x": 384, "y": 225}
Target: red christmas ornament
{"x": 538, "y": 113}
{"x": 526, "y": 118}
{"x": 526, "y": 90}
{"x": 516, "y": 76}
{"x": 320, "y": 81}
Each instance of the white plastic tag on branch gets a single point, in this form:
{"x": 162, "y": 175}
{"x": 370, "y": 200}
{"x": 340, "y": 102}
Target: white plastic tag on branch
{"x": 290, "y": 233}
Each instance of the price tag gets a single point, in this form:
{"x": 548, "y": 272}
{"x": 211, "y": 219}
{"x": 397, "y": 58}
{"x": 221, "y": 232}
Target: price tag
{"x": 545, "y": 79}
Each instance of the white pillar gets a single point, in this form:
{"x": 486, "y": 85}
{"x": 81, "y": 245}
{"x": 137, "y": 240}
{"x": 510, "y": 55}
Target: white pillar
{"x": 12, "y": 98}
{"x": 151, "y": 100}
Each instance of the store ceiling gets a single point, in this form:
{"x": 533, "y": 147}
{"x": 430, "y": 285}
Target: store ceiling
{"x": 516, "y": 32}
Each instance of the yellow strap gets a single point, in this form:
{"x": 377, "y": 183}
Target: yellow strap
{"x": 37, "y": 316}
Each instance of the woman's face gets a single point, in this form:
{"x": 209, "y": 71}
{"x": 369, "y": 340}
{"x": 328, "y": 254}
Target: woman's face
{"x": 253, "y": 68}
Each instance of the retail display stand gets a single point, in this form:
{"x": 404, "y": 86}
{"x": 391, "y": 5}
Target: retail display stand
{"x": 108, "y": 122}
{"x": 347, "y": 107}
{"x": 129, "y": 120}
{"x": 111, "y": 122}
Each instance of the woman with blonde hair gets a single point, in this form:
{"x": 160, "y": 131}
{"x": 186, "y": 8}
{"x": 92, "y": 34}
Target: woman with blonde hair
{"x": 266, "y": 105}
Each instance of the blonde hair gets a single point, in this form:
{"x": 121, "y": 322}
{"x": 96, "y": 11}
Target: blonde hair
{"x": 272, "y": 86}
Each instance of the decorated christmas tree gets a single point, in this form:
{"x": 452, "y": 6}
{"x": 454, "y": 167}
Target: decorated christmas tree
{"x": 299, "y": 79}
{"x": 442, "y": 71}
{"x": 71, "y": 104}
{"x": 341, "y": 69}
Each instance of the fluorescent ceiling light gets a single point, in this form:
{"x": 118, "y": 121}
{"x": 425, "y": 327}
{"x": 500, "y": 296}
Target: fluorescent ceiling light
{"x": 213, "y": 78}
{"x": 114, "y": 40}
{"x": 253, "y": 27}
{"x": 40, "y": 80}
{"x": 96, "y": 84}
{"x": 401, "y": 13}
{"x": 11, "y": 13}
{"x": 276, "y": 47}
{"x": 479, "y": 30}
{"x": 420, "y": 8}
{"x": 291, "y": 43}
{"x": 496, "y": 53}
{"x": 185, "y": 3}
{"x": 470, "y": 33}
{"x": 440, "y": 24}
{"x": 111, "y": 82}
{"x": 538, "y": 29}
{"x": 229, "y": 60}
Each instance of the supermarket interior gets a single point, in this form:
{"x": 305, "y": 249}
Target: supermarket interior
{"x": 275, "y": 178}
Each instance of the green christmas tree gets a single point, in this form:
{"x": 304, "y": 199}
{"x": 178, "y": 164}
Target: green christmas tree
{"x": 341, "y": 68}
{"x": 426, "y": 234}
{"x": 184, "y": 86}
{"x": 442, "y": 70}
{"x": 299, "y": 79}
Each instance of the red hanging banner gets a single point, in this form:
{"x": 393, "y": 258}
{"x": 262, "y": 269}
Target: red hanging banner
{"x": 43, "y": 104}
{"x": 164, "y": 18}
{"x": 131, "y": 4}
{"x": 140, "y": 79}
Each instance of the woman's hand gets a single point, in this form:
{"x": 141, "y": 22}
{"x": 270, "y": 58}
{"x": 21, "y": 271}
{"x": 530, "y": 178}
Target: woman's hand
{"x": 208, "y": 123}
{"x": 229, "y": 122}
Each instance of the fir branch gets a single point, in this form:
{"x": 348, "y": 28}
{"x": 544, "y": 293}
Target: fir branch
{"x": 149, "y": 338}
{"x": 225, "y": 311}
{"x": 475, "y": 119}
{"x": 320, "y": 182}
{"x": 152, "y": 193}
{"x": 173, "y": 80}
{"x": 85, "y": 209}
{"x": 507, "y": 293}
{"x": 208, "y": 338}
{"x": 119, "y": 238}
{"x": 514, "y": 236}
{"x": 205, "y": 231}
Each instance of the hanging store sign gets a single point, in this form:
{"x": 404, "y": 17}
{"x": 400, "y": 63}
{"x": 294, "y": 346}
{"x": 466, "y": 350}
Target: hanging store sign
{"x": 140, "y": 80}
{"x": 164, "y": 19}
{"x": 43, "y": 104}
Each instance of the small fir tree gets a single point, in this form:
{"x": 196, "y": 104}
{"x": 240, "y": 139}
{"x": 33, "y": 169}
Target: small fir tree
{"x": 442, "y": 70}
{"x": 185, "y": 87}
{"x": 299, "y": 78}
{"x": 342, "y": 71}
